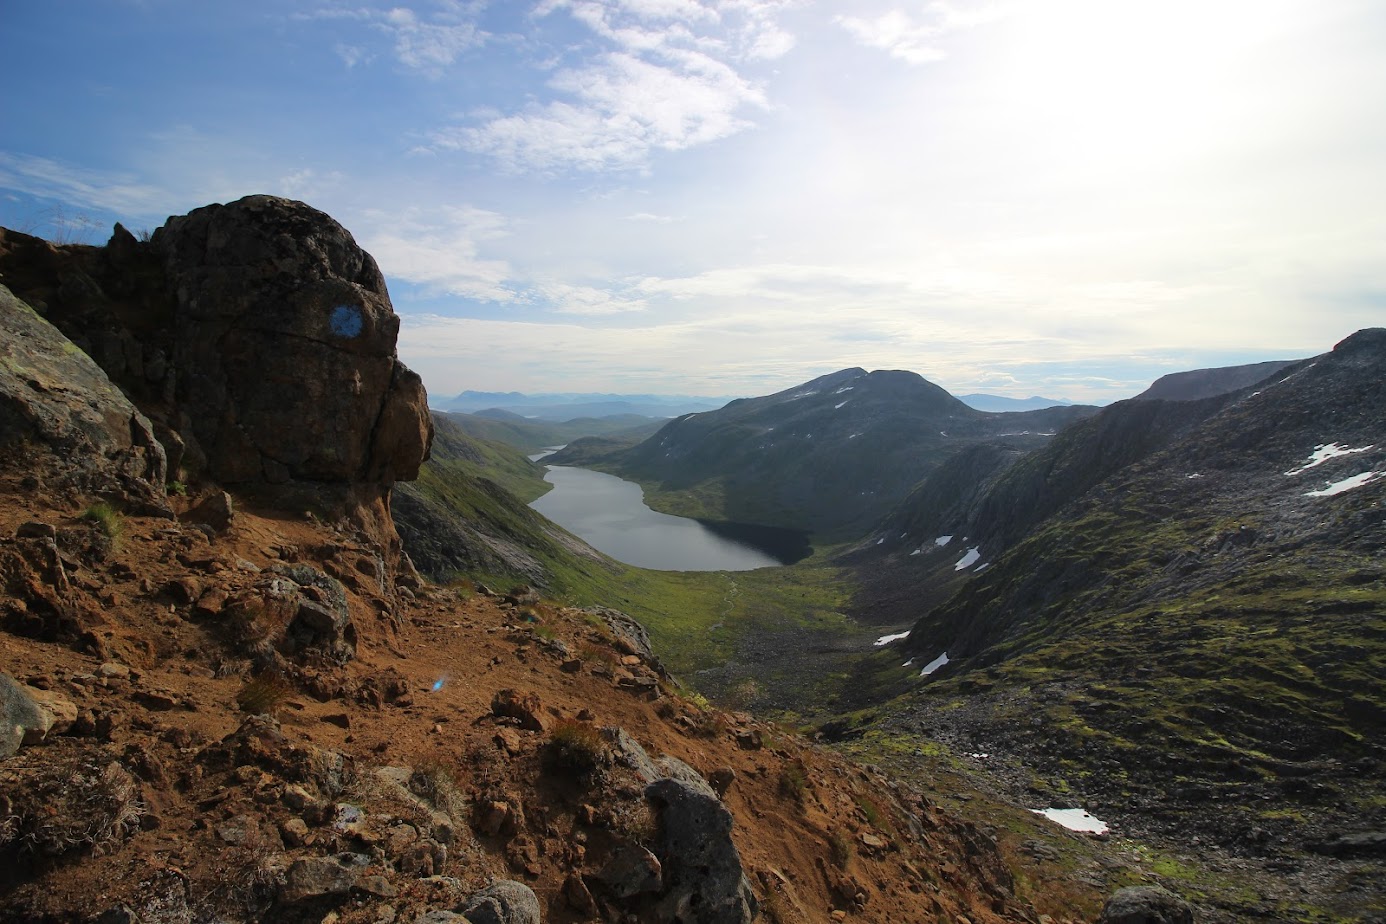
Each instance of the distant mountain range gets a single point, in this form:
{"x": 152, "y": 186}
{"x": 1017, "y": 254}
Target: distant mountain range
{"x": 563, "y": 406}
{"x": 982, "y": 402}
{"x": 572, "y": 405}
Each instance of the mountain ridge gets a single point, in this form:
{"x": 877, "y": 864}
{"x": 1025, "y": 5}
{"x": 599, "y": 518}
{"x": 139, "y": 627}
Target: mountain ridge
{"x": 831, "y": 456}
{"x": 1198, "y": 618}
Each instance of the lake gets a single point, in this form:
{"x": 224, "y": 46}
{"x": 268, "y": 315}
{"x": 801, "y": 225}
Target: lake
{"x": 610, "y": 515}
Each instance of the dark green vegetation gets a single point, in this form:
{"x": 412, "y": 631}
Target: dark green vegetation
{"x": 831, "y": 456}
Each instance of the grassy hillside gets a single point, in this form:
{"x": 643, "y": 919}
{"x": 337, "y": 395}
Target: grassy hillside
{"x": 774, "y": 637}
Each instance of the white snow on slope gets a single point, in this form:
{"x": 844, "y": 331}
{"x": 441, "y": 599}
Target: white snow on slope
{"x": 1347, "y": 484}
{"x": 941, "y": 541}
{"x": 838, "y": 407}
{"x": 968, "y": 560}
{"x": 844, "y": 388}
{"x": 1074, "y": 820}
{"x": 887, "y": 639}
{"x": 1325, "y": 451}
{"x": 934, "y": 665}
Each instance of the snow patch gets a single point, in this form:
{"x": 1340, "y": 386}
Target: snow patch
{"x": 1325, "y": 451}
{"x": 844, "y": 388}
{"x": 941, "y": 541}
{"x": 1347, "y": 484}
{"x": 1194, "y": 475}
{"x": 887, "y": 639}
{"x": 838, "y": 407}
{"x": 917, "y": 552}
{"x": 982, "y": 567}
{"x": 968, "y": 560}
{"x": 880, "y": 540}
{"x": 1074, "y": 820}
{"x": 934, "y": 665}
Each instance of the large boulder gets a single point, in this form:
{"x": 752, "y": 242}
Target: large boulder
{"x": 285, "y": 346}
{"x": 61, "y": 417}
{"x": 704, "y": 881}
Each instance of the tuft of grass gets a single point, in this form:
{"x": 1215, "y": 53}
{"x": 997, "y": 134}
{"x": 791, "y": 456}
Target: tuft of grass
{"x": 105, "y": 518}
{"x": 177, "y": 488}
{"x": 590, "y": 652}
{"x": 263, "y": 694}
{"x": 576, "y": 748}
{"x": 794, "y": 781}
{"x": 433, "y": 780}
{"x": 873, "y": 812}
{"x": 840, "y": 849}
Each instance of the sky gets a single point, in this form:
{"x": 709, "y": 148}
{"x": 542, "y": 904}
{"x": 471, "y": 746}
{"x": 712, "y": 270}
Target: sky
{"x": 1067, "y": 198}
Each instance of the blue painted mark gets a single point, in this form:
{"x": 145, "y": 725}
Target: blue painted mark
{"x": 438, "y": 684}
{"x": 347, "y": 321}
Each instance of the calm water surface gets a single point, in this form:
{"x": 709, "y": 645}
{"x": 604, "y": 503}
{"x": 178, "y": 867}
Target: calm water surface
{"x": 610, "y": 515}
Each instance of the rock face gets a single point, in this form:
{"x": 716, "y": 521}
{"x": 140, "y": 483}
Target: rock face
{"x": 55, "y": 399}
{"x": 286, "y": 342}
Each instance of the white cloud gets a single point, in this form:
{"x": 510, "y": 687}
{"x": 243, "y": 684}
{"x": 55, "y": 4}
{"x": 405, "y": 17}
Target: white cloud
{"x": 916, "y": 38}
{"x": 119, "y": 192}
{"x": 566, "y": 298}
{"x": 429, "y": 43}
{"x": 352, "y": 55}
{"x": 624, "y": 108}
{"x": 651, "y": 217}
{"x": 440, "y": 250}
{"x": 431, "y": 46}
{"x": 668, "y": 80}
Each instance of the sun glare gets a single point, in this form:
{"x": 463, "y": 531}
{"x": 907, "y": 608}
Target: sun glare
{"x": 1099, "y": 83}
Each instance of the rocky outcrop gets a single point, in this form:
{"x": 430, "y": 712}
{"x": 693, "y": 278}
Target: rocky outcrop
{"x": 57, "y": 403}
{"x": 700, "y": 879}
{"x": 286, "y": 341}
{"x": 704, "y": 882}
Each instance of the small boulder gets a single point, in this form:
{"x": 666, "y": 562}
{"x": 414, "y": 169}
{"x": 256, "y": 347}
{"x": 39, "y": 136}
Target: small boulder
{"x": 20, "y": 715}
{"x": 1146, "y": 905}
{"x": 316, "y": 877}
{"x": 525, "y": 707}
{"x": 633, "y": 870}
{"x": 503, "y": 902}
{"x": 57, "y": 715}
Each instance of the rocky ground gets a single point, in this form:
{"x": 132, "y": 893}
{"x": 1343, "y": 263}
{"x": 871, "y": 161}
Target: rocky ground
{"x": 473, "y": 738}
